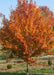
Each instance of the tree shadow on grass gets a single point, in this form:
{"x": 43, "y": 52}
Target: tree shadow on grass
{"x": 14, "y": 73}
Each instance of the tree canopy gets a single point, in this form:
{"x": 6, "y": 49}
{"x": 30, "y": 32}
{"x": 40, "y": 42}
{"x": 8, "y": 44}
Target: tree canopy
{"x": 28, "y": 33}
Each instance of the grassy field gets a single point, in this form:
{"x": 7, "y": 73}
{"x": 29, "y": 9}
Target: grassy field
{"x": 15, "y": 65}
{"x": 23, "y": 72}
{"x": 4, "y": 66}
{"x": 44, "y": 69}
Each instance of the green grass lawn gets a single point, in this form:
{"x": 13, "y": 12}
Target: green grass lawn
{"x": 13, "y": 65}
{"x": 23, "y": 72}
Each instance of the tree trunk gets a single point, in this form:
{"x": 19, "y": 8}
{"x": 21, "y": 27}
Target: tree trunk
{"x": 27, "y": 69}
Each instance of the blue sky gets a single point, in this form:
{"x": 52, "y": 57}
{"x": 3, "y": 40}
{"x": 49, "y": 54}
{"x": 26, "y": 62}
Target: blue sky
{"x": 5, "y": 5}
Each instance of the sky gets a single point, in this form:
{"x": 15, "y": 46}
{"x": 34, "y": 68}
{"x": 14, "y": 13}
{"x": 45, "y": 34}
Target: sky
{"x": 6, "y": 5}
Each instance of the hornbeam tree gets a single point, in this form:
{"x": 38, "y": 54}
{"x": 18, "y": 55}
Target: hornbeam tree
{"x": 28, "y": 33}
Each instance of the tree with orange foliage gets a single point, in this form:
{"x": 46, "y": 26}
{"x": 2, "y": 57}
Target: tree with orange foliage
{"x": 27, "y": 33}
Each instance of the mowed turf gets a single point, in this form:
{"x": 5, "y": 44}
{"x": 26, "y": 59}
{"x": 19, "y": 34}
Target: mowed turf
{"x": 23, "y": 72}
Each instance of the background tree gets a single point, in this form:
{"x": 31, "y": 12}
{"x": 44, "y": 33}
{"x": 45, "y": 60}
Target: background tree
{"x": 27, "y": 33}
